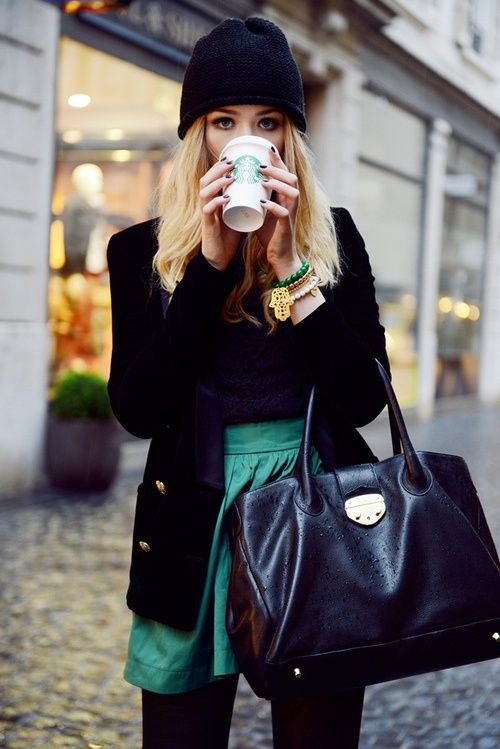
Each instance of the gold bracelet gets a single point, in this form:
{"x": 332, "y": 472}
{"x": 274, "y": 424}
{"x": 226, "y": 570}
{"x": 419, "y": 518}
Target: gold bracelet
{"x": 309, "y": 288}
{"x": 282, "y": 300}
{"x": 300, "y": 282}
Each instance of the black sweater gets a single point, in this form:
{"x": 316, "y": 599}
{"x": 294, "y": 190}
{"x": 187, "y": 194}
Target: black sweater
{"x": 258, "y": 376}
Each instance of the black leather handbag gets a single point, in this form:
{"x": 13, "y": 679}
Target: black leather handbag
{"x": 370, "y": 573}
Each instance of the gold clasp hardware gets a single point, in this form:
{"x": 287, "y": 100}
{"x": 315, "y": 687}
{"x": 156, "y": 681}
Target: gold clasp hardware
{"x": 365, "y": 509}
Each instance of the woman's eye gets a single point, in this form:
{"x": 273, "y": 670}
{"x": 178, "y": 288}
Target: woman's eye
{"x": 268, "y": 123}
{"x": 224, "y": 122}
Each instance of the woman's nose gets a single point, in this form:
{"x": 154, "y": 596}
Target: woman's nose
{"x": 246, "y": 127}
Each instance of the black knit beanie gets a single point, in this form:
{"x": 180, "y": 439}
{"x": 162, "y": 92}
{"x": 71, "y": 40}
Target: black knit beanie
{"x": 242, "y": 62}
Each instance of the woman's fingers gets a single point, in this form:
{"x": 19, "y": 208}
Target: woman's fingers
{"x": 278, "y": 170}
{"x": 275, "y": 172}
{"x": 277, "y": 177}
{"x": 277, "y": 210}
{"x": 212, "y": 188}
{"x": 219, "y": 243}
{"x": 215, "y": 172}
{"x": 276, "y": 160}
{"x": 212, "y": 206}
{"x": 282, "y": 188}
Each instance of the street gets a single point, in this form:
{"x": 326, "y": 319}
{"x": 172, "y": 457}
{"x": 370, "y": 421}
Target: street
{"x": 64, "y": 623}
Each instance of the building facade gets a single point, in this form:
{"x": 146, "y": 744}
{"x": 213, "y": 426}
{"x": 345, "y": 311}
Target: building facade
{"x": 27, "y": 88}
{"x": 403, "y": 102}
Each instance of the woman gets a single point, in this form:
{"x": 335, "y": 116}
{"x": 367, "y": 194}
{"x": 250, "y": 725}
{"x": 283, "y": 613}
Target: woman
{"x": 202, "y": 366}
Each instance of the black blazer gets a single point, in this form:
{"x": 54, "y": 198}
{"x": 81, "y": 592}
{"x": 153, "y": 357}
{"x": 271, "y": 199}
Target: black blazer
{"x": 158, "y": 391}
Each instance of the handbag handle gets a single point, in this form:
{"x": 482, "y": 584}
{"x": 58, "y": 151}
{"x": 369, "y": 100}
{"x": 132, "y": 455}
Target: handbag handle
{"x": 415, "y": 477}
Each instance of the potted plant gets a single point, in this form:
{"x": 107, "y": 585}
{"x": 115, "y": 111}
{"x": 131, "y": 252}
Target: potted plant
{"x": 83, "y": 440}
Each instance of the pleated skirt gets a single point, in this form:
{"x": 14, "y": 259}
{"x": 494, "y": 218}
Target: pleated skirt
{"x": 169, "y": 661}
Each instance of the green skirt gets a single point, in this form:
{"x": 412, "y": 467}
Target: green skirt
{"x": 168, "y": 661}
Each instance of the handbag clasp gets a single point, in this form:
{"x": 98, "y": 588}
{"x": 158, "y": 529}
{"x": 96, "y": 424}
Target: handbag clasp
{"x": 365, "y": 509}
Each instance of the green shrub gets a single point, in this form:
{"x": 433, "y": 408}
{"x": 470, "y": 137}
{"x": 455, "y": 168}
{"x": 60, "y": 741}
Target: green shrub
{"x": 81, "y": 395}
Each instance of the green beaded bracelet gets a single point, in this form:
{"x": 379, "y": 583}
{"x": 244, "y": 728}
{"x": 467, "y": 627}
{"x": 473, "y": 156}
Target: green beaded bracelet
{"x": 294, "y": 277}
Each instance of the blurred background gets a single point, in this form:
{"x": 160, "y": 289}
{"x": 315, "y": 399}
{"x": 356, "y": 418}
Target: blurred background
{"x": 403, "y": 103}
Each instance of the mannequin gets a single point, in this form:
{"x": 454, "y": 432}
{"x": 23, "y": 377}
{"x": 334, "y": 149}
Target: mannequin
{"x": 83, "y": 225}
{"x": 79, "y": 328}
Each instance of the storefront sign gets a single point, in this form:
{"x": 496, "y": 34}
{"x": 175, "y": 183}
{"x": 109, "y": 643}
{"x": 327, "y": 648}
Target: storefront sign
{"x": 166, "y": 22}
{"x": 167, "y": 28}
{"x": 96, "y": 6}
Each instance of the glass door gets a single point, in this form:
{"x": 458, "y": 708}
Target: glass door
{"x": 461, "y": 271}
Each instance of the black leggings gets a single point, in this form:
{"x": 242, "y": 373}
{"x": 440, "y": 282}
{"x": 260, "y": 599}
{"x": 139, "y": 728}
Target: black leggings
{"x": 201, "y": 719}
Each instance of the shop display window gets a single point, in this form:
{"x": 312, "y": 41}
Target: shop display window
{"x": 461, "y": 270}
{"x": 115, "y": 131}
{"x": 389, "y": 201}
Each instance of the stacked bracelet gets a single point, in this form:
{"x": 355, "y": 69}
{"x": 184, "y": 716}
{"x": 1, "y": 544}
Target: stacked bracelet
{"x": 294, "y": 277}
{"x": 297, "y": 284}
{"x": 282, "y": 299}
{"x": 309, "y": 288}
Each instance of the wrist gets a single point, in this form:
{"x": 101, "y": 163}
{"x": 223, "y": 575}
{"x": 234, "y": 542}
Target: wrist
{"x": 285, "y": 269}
{"x": 303, "y": 307}
{"x": 217, "y": 264}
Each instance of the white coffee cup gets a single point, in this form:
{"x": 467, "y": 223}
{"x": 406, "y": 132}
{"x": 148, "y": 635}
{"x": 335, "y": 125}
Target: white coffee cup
{"x": 244, "y": 212}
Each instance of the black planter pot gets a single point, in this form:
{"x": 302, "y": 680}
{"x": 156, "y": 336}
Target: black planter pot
{"x": 82, "y": 454}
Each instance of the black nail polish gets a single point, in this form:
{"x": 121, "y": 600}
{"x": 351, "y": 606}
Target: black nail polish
{"x": 224, "y": 158}
{"x": 263, "y": 166}
{"x": 265, "y": 179}
{"x": 229, "y": 162}
{"x": 226, "y": 196}
{"x": 273, "y": 149}
{"x": 263, "y": 201}
{"x": 228, "y": 176}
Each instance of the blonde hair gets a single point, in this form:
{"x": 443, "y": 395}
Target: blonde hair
{"x": 179, "y": 229}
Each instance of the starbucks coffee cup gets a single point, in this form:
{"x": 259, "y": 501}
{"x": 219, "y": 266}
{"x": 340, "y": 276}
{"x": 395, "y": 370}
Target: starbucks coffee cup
{"x": 244, "y": 212}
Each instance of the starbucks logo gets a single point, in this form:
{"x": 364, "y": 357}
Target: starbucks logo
{"x": 246, "y": 170}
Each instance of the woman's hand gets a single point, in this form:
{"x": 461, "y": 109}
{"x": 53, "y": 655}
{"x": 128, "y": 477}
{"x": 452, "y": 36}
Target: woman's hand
{"x": 218, "y": 242}
{"x": 278, "y": 230}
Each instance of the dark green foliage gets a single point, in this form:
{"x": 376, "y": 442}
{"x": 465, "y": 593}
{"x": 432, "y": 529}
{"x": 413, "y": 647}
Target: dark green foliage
{"x": 81, "y": 395}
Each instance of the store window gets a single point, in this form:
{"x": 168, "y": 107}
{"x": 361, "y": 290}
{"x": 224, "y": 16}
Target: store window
{"x": 483, "y": 21}
{"x": 116, "y": 126}
{"x": 389, "y": 200}
{"x": 461, "y": 272}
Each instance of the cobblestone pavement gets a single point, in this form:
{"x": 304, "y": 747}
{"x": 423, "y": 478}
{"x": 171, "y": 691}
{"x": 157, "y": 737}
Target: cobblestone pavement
{"x": 64, "y": 624}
